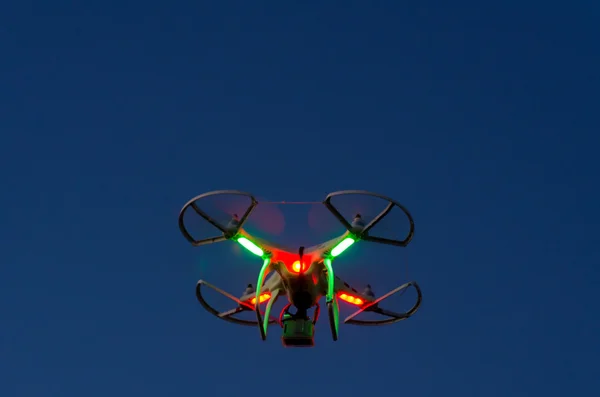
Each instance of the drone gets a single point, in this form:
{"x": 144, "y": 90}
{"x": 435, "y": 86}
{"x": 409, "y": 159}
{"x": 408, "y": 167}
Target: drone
{"x": 304, "y": 275}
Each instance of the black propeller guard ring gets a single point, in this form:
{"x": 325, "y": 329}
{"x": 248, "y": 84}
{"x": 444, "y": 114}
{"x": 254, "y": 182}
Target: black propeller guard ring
{"x": 392, "y": 203}
{"x": 396, "y": 317}
{"x": 229, "y": 318}
{"x": 225, "y": 234}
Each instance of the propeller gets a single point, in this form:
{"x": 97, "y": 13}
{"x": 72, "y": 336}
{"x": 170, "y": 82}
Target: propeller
{"x": 358, "y": 223}
{"x": 233, "y": 222}
{"x": 358, "y": 209}
{"x": 267, "y": 218}
{"x": 227, "y": 209}
{"x": 321, "y": 220}
{"x": 368, "y": 292}
{"x": 249, "y": 290}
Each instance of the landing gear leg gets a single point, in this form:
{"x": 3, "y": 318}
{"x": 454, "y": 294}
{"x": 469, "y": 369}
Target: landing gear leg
{"x": 333, "y": 309}
{"x": 262, "y": 326}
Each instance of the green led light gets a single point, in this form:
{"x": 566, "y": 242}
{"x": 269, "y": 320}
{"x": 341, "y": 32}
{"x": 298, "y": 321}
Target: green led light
{"x": 342, "y": 246}
{"x": 250, "y": 246}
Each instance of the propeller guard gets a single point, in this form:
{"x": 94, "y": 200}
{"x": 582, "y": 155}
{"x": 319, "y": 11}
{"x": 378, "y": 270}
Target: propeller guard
{"x": 395, "y": 317}
{"x": 228, "y": 315}
{"x": 364, "y": 233}
{"x": 226, "y": 233}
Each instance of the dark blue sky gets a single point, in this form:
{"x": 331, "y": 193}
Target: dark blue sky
{"x": 480, "y": 117}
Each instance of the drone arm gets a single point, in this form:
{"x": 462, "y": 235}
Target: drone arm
{"x": 348, "y": 293}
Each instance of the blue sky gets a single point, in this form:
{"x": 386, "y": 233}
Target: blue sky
{"x": 480, "y": 117}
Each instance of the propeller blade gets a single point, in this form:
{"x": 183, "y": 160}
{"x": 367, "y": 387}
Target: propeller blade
{"x": 265, "y": 218}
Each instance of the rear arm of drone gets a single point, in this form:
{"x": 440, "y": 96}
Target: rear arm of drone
{"x": 393, "y": 317}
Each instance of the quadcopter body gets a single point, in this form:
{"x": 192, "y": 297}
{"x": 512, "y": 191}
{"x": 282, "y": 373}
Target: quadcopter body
{"x": 304, "y": 275}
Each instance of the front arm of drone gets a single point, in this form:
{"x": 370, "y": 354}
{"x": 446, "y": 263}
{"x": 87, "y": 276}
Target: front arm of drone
{"x": 362, "y": 233}
{"x": 227, "y": 233}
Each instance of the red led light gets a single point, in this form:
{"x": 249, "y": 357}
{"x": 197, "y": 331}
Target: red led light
{"x": 351, "y": 299}
{"x": 297, "y": 267}
{"x": 261, "y": 298}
